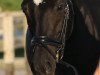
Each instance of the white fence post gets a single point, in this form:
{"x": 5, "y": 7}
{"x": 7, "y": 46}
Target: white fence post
{"x": 8, "y": 44}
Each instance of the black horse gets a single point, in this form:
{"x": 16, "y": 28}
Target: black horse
{"x": 45, "y": 24}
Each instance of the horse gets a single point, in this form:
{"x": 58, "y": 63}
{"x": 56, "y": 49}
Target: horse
{"x": 48, "y": 42}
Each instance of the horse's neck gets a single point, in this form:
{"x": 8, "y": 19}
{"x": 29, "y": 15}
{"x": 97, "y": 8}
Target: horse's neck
{"x": 90, "y": 21}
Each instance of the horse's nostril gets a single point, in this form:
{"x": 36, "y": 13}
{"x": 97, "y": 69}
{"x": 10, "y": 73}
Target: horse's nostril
{"x": 48, "y": 67}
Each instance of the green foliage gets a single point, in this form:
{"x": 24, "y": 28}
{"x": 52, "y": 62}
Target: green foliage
{"x": 10, "y": 4}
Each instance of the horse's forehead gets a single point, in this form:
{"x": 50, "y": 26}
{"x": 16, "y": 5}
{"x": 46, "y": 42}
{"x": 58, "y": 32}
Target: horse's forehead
{"x": 37, "y": 2}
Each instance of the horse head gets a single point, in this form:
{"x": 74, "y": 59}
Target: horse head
{"x": 47, "y": 21}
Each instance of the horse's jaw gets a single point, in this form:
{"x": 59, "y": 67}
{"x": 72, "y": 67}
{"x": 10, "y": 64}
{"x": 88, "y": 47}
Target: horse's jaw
{"x": 37, "y": 2}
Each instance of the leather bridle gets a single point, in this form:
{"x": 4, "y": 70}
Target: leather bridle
{"x": 59, "y": 44}
{"x": 67, "y": 28}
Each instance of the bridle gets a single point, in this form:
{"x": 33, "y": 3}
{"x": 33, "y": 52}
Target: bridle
{"x": 59, "y": 44}
{"x": 44, "y": 41}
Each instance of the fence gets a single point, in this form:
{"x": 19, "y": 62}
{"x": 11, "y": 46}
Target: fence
{"x": 12, "y": 44}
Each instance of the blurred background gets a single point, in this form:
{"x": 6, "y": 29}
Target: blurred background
{"x": 12, "y": 39}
